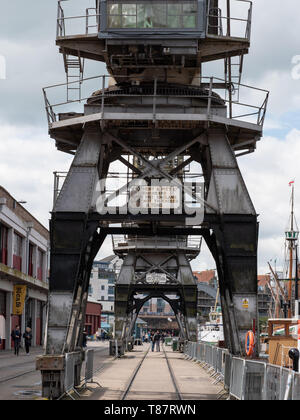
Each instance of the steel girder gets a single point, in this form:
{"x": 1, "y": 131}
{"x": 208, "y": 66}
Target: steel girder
{"x": 229, "y": 228}
{"x": 129, "y": 283}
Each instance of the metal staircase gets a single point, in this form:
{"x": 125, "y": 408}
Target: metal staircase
{"x": 74, "y": 68}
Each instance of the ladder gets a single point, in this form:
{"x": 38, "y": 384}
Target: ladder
{"x": 74, "y": 68}
{"x": 233, "y": 69}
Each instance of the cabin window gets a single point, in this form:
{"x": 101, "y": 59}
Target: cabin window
{"x": 152, "y": 15}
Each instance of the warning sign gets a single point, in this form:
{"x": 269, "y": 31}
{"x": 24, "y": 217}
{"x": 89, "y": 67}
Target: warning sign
{"x": 245, "y": 303}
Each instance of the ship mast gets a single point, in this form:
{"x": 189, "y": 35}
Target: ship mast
{"x": 292, "y": 238}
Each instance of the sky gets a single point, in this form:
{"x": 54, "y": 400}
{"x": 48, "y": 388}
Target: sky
{"x": 28, "y": 156}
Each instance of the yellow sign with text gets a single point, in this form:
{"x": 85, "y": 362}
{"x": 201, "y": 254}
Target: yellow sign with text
{"x": 245, "y": 303}
{"x": 19, "y": 299}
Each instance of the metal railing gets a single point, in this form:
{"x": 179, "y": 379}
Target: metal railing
{"x": 240, "y": 110}
{"x": 245, "y": 379}
{"x": 225, "y": 15}
{"x": 68, "y": 25}
{"x": 222, "y": 21}
{"x": 118, "y": 195}
{"x": 59, "y": 179}
{"x": 125, "y": 241}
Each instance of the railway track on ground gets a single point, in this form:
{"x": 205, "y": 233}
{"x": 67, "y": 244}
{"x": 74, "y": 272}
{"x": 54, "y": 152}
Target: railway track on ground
{"x": 18, "y": 375}
{"x": 138, "y": 369}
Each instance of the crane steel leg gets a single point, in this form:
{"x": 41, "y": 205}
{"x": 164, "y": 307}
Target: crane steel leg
{"x": 233, "y": 242}
{"x": 75, "y": 242}
{"x": 132, "y": 279}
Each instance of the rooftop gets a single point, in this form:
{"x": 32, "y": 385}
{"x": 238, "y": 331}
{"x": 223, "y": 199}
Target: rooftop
{"x": 204, "y": 276}
{"x": 21, "y": 212}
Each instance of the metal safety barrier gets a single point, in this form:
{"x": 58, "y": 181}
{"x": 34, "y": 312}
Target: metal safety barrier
{"x": 245, "y": 379}
{"x": 89, "y": 368}
{"x": 69, "y": 378}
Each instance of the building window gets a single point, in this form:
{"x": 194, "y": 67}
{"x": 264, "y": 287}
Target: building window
{"x": 102, "y": 287}
{"x": 151, "y": 15}
{"x": 3, "y": 244}
{"x": 111, "y": 290}
{"x": 30, "y": 260}
{"x": 40, "y": 258}
{"x": 17, "y": 257}
{"x": 2, "y": 303}
{"x": 29, "y": 313}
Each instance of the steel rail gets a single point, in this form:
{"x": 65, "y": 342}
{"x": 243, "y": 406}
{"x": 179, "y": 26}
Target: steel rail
{"x": 179, "y": 397}
{"x": 133, "y": 376}
{"x": 10, "y": 378}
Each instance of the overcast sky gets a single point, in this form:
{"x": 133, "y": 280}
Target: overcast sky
{"x": 28, "y": 156}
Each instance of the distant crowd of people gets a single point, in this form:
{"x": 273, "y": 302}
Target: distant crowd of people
{"x": 155, "y": 338}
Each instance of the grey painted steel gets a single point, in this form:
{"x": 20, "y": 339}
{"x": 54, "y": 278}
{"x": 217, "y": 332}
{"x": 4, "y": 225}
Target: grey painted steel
{"x": 89, "y": 367}
{"x": 246, "y": 379}
{"x": 219, "y": 367}
{"x": 227, "y": 371}
{"x": 285, "y": 384}
{"x": 237, "y": 378}
{"x": 273, "y": 383}
{"x": 255, "y": 373}
{"x": 227, "y": 190}
{"x": 145, "y": 126}
{"x": 69, "y": 373}
{"x": 296, "y": 387}
{"x": 215, "y": 358}
{"x": 180, "y": 281}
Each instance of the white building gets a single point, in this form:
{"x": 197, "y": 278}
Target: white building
{"x": 102, "y": 285}
{"x": 23, "y": 261}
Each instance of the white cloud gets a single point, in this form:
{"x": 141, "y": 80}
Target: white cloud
{"x": 28, "y": 160}
{"x": 267, "y": 174}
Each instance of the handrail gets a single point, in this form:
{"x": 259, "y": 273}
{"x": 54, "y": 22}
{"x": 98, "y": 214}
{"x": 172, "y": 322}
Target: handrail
{"x": 214, "y": 15}
{"x": 191, "y": 242}
{"x": 61, "y": 20}
{"x": 60, "y": 29}
{"x": 214, "y": 83}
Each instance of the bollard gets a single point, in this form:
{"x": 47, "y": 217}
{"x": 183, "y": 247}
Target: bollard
{"x": 294, "y": 355}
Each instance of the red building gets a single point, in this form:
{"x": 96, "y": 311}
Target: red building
{"x": 93, "y": 317}
{"x": 207, "y": 276}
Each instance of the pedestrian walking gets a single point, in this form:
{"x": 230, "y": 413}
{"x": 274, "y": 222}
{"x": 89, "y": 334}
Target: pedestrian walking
{"x": 152, "y": 341}
{"x": 2, "y": 328}
{"x": 27, "y": 339}
{"x": 16, "y": 336}
{"x": 156, "y": 340}
{"x": 84, "y": 338}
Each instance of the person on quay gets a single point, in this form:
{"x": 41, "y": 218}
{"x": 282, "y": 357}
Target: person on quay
{"x": 27, "y": 339}
{"x": 156, "y": 340}
{"x": 152, "y": 341}
{"x": 84, "y": 338}
{"x": 16, "y": 336}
